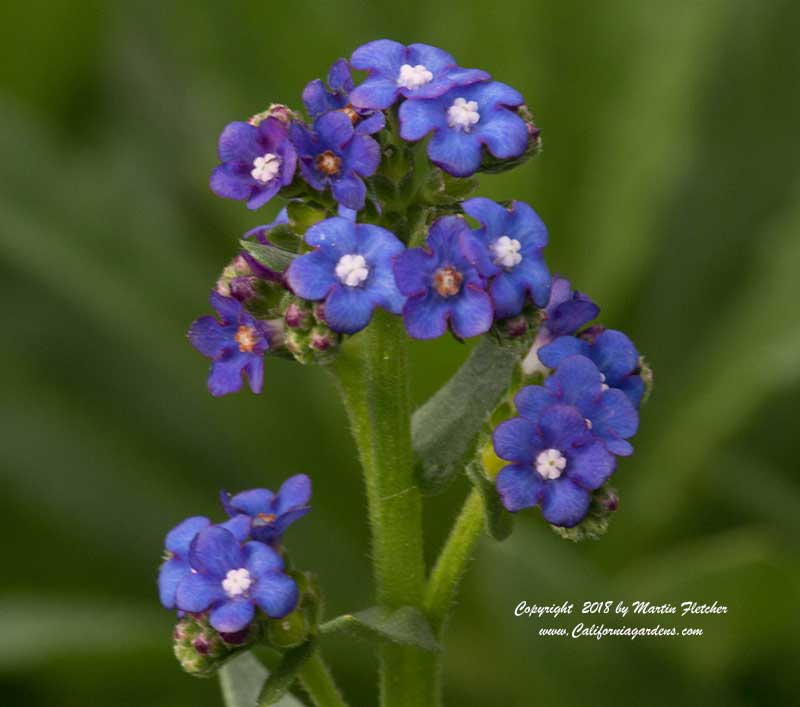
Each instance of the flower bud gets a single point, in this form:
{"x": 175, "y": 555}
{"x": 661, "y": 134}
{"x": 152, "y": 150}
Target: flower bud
{"x": 288, "y": 632}
{"x": 646, "y": 372}
{"x": 298, "y": 315}
{"x": 278, "y": 111}
{"x": 201, "y": 650}
{"x": 605, "y": 502}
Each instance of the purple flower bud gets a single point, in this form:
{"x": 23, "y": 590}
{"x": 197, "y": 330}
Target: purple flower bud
{"x": 321, "y": 339}
{"x": 297, "y": 316}
{"x": 242, "y": 288}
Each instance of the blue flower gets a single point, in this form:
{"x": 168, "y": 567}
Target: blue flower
{"x": 556, "y": 464}
{"x": 270, "y": 514}
{"x": 177, "y": 544}
{"x": 607, "y": 412}
{"x": 235, "y": 344}
{"x": 567, "y": 311}
{"x": 318, "y": 100}
{"x": 508, "y": 248}
{"x": 229, "y": 580}
{"x": 611, "y": 351}
{"x": 351, "y": 269}
{"x": 335, "y": 155}
{"x": 442, "y": 285}
{"x": 416, "y": 71}
{"x": 462, "y": 121}
{"x": 257, "y": 160}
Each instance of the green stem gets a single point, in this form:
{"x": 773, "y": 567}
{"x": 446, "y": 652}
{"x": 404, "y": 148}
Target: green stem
{"x": 318, "y": 682}
{"x": 452, "y": 562}
{"x": 375, "y": 388}
{"x": 445, "y": 578}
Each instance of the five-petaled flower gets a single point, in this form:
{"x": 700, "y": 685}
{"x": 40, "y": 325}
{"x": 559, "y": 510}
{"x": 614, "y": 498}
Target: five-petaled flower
{"x": 442, "y": 285}
{"x": 608, "y": 413}
{"x": 235, "y": 344}
{"x": 257, "y": 160}
{"x": 351, "y": 269}
{"x": 462, "y": 121}
{"x": 177, "y": 544}
{"x": 334, "y": 154}
{"x": 508, "y": 248}
{"x": 270, "y": 514}
{"x": 319, "y": 99}
{"x": 416, "y": 71}
{"x": 610, "y": 350}
{"x": 229, "y": 580}
{"x": 556, "y": 464}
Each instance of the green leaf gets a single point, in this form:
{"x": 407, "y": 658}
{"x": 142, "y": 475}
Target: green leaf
{"x": 241, "y": 680}
{"x": 272, "y": 257}
{"x": 280, "y": 682}
{"x": 406, "y": 626}
{"x": 445, "y": 428}
{"x": 284, "y": 237}
{"x": 499, "y": 522}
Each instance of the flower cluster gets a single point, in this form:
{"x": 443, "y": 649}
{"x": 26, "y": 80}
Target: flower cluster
{"x": 225, "y": 572}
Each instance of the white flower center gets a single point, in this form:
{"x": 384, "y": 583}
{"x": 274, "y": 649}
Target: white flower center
{"x": 412, "y": 77}
{"x": 352, "y": 269}
{"x": 236, "y": 582}
{"x": 506, "y": 252}
{"x": 266, "y": 168}
{"x": 604, "y": 385}
{"x": 550, "y": 464}
{"x": 463, "y": 114}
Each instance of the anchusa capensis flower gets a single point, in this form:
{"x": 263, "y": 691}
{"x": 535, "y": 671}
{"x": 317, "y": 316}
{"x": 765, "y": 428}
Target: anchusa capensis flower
{"x": 229, "y": 582}
{"x": 380, "y": 228}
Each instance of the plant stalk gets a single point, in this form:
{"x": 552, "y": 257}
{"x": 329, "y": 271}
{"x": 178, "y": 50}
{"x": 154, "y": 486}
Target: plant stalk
{"x": 319, "y": 684}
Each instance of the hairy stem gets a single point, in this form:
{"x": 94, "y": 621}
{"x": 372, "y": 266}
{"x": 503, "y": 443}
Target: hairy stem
{"x": 445, "y": 578}
{"x": 318, "y": 682}
{"x": 375, "y": 388}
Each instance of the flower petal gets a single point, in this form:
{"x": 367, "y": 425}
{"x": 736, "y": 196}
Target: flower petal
{"x": 516, "y": 440}
{"x": 225, "y": 376}
{"x": 577, "y": 381}
{"x": 494, "y": 93}
{"x": 255, "y": 373}
{"x": 504, "y": 133}
{"x": 508, "y": 295}
{"x": 363, "y": 155}
{"x": 276, "y": 594}
{"x": 489, "y": 213}
{"x": 238, "y": 142}
{"x": 553, "y": 353}
{"x": 253, "y": 502}
{"x": 232, "y": 616}
{"x": 169, "y": 576}
{"x": 259, "y": 559}
{"x": 227, "y": 308}
{"x": 239, "y": 526}
{"x": 412, "y": 271}
{"x": 432, "y": 58}
{"x": 350, "y": 191}
{"x": 531, "y": 400}
{"x": 348, "y": 309}
{"x": 615, "y": 355}
{"x": 562, "y": 426}
{"x": 383, "y": 56}
{"x": 231, "y": 181}
{"x": 371, "y": 124}
{"x": 376, "y": 92}
{"x": 564, "y": 503}
{"x": 316, "y": 98}
{"x": 261, "y": 195}
{"x": 519, "y": 487}
{"x": 425, "y": 316}
{"x": 293, "y": 493}
{"x": 590, "y": 465}
{"x": 472, "y": 312}
{"x": 535, "y": 275}
{"x": 334, "y": 128}
{"x": 335, "y": 233}
{"x": 311, "y": 276}
{"x": 455, "y": 152}
{"x": 339, "y": 76}
{"x": 197, "y": 592}
{"x": 179, "y": 539}
{"x": 418, "y": 118}
{"x": 286, "y": 519}
{"x": 215, "y": 551}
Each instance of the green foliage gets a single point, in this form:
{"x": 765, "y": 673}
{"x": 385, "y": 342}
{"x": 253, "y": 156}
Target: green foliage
{"x": 277, "y": 685}
{"x": 668, "y": 182}
{"x": 405, "y": 626}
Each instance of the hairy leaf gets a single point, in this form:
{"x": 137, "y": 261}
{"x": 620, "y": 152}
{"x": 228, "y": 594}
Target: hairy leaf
{"x": 272, "y": 257}
{"x": 281, "y": 680}
{"x": 406, "y": 626}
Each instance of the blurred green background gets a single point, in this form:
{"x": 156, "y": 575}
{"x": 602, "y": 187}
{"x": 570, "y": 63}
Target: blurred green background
{"x": 669, "y": 180}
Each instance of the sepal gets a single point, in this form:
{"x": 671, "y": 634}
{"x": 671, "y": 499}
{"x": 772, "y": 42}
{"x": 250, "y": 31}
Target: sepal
{"x": 499, "y": 522}
{"x": 201, "y": 650}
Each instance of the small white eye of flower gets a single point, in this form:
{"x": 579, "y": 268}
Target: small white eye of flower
{"x": 506, "y": 252}
{"x": 412, "y": 77}
{"x": 266, "y": 168}
{"x": 550, "y": 464}
{"x": 352, "y": 270}
{"x": 236, "y": 582}
{"x": 604, "y": 385}
{"x": 463, "y": 114}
